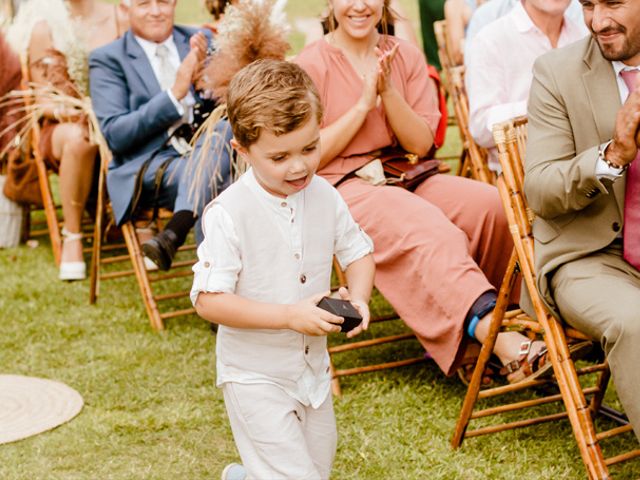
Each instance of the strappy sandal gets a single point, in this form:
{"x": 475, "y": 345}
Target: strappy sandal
{"x": 468, "y": 365}
{"x": 538, "y": 365}
{"x": 72, "y": 270}
{"x": 465, "y": 372}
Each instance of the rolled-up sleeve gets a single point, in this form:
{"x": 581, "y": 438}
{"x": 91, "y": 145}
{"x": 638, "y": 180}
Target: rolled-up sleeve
{"x": 219, "y": 260}
{"x": 351, "y": 242}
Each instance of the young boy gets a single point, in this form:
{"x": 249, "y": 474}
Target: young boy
{"x": 264, "y": 265}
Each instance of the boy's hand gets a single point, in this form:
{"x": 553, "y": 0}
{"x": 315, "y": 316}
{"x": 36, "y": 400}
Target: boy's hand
{"x": 363, "y": 310}
{"x": 305, "y": 317}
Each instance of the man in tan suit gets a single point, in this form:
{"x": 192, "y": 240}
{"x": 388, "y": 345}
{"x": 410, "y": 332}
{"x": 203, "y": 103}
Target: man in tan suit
{"x": 583, "y": 120}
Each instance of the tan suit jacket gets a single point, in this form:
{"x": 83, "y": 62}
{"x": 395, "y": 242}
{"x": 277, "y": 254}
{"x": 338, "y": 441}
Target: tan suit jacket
{"x": 572, "y": 110}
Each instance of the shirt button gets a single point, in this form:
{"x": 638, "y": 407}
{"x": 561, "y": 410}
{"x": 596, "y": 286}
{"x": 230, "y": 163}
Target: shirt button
{"x": 615, "y": 226}
{"x": 283, "y": 204}
{"x": 306, "y": 349}
{"x": 207, "y": 264}
{"x": 297, "y": 256}
{"x": 303, "y": 278}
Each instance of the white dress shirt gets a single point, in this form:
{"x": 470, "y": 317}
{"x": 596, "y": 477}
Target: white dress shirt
{"x": 253, "y": 356}
{"x": 492, "y": 10}
{"x": 499, "y": 70}
{"x": 185, "y": 106}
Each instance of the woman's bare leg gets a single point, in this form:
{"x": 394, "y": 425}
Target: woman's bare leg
{"x": 77, "y": 158}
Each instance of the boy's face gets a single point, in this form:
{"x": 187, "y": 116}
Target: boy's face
{"x": 285, "y": 164}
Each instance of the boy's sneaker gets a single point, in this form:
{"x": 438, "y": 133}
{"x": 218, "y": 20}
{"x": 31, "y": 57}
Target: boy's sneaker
{"x": 234, "y": 471}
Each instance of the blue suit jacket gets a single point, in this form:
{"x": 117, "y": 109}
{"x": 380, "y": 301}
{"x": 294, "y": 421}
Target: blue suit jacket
{"x": 134, "y": 113}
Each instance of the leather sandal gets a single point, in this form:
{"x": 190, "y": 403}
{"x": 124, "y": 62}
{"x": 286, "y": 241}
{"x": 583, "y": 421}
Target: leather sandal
{"x": 468, "y": 365}
{"x": 72, "y": 270}
{"x": 465, "y": 372}
{"x": 532, "y": 366}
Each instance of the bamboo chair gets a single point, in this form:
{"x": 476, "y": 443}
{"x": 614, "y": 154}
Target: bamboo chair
{"x": 511, "y": 138}
{"x": 337, "y": 373}
{"x": 33, "y": 150}
{"x": 107, "y": 256}
{"x": 444, "y": 48}
{"x": 473, "y": 160}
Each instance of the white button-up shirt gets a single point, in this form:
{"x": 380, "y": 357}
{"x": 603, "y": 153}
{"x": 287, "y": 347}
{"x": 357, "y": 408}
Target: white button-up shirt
{"x": 220, "y": 265}
{"x": 499, "y": 69}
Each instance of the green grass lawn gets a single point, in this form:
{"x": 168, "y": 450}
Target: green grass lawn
{"x": 152, "y": 410}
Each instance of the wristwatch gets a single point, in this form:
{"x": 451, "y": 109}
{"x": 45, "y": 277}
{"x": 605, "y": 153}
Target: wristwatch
{"x": 601, "y": 156}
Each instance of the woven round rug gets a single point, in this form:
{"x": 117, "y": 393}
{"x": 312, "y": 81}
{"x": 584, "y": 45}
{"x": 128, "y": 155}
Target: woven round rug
{"x": 30, "y": 405}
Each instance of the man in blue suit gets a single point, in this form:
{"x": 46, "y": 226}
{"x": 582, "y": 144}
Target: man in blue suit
{"x": 142, "y": 92}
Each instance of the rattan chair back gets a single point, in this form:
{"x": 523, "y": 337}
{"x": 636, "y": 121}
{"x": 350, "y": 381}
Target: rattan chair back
{"x": 511, "y": 139}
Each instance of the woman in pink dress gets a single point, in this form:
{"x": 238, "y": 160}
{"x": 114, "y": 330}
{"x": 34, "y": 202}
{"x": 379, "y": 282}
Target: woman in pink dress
{"x": 442, "y": 250}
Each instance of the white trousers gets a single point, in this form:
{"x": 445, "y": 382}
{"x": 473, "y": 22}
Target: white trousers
{"x": 279, "y": 438}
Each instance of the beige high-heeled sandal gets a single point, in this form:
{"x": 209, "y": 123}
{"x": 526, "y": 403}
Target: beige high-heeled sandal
{"x": 72, "y": 270}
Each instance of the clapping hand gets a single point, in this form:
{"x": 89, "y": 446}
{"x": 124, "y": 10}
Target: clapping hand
{"x": 190, "y": 65}
{"x": 385, "y": 59}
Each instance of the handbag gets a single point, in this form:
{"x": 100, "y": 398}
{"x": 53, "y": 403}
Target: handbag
{"x": 21, "y": 184}
{"x": 407, "y": 170}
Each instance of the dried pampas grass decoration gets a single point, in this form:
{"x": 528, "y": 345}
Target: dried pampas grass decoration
{"x": 250, "y": 30}
{"x": 29, "y": 105}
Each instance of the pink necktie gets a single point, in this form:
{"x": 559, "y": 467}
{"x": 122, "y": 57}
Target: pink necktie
{"x": 631, "y": 232}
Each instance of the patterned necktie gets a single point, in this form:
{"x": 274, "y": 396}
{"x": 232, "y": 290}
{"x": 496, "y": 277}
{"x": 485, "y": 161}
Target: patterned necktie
{"x": 631, "y": 233}
{"x": 166, "y": 70}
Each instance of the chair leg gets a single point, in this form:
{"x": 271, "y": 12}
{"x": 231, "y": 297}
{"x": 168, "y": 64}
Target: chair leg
{"x": 133, "y": 246}
{"x": 602, "y": 384}
{"x": 485, "y": 352}
{"x": 94, "y": 266}
{"x": 49, "y": 209}
{"x": 578, "y": 410}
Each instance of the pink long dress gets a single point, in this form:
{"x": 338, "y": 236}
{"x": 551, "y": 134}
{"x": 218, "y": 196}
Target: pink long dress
{"x": 437, "y": 249}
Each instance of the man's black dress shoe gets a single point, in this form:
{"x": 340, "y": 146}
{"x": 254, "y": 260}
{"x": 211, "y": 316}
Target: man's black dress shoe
{"x": 161, "y": 249}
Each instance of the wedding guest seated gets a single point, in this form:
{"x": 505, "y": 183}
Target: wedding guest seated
{"x": 142, "y": 93}
{"x": 500, "y": 59}
{"x": 57, "y": 37}
{"x": 401, "y": 26}
{"x": 441, "y": 250}
{"x": 491, "y": 10}
{"x": 9, "y": 80}
{"x": 582, "y": 180}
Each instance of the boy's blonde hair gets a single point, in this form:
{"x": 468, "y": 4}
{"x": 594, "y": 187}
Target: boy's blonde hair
{"x": 273, "y": 95}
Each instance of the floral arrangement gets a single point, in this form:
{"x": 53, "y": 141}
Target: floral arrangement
{"x": 250, "y": 30}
